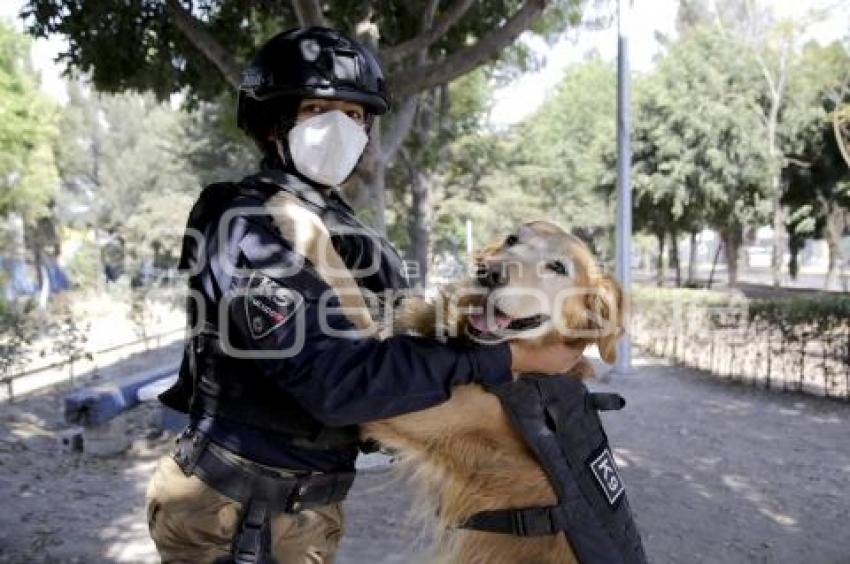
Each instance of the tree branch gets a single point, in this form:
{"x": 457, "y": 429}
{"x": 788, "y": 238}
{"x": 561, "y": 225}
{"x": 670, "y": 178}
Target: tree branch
{"x": 843, "y": 147}
{"x": 309, "y": 12}
{"x": 204, "y": 42}
{"x": 429, "y": 36}
{"x": 412, "y": 80}
{"x": 429, "y": 14}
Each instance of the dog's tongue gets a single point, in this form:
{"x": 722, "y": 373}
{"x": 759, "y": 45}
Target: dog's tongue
{"x": 489, "y": 323}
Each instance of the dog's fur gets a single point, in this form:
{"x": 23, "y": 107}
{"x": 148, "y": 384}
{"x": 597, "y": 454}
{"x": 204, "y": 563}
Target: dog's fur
{"x": 464, "y": 454}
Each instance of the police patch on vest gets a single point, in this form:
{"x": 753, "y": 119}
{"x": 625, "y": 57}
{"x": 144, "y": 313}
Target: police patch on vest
{"x": 268, "y": 305}
{"x": 605, "y": 471}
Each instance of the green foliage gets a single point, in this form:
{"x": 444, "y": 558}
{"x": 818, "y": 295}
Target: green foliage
{"x": 817, "y": 177}
{"x": 696, "y": 161}
{"x": 559, "y": 151}
{"x": 798, "y": 342}
{"x": 804, "y": 315}
{"x": 214, "y": 147}
{"x": 17, "y": 332}
{"x": 816, "y": 313}
{"x": 139, "y": 47}
{"x": 84, "y": 268}
{"x": 69, "y": 337}
{"x": 28, "y": 177}
{"x": 124, "y": 158}
{"x": 646, "y": 296}
{"x": 546, "y": 167}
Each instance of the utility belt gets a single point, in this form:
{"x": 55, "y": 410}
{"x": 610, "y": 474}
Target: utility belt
{"x": 262, "y": 490}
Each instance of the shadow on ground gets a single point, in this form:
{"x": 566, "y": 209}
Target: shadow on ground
{"x": 62, "y": 506}
{"x": 716, "y": 473}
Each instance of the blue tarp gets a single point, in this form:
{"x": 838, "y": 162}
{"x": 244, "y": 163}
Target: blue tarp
{"x": 21, "y": 284}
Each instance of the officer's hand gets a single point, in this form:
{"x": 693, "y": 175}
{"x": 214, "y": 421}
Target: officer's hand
{"x": 550, "y": 359}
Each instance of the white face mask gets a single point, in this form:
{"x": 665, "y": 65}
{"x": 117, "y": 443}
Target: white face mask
{"x": 325, "y": 148}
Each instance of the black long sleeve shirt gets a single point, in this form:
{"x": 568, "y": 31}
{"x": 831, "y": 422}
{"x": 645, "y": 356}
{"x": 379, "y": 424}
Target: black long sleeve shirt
{"x": 302, "y": 342}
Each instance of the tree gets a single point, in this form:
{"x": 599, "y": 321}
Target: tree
{"x": 772, "y": 45}
{"x": 816, "y": 174}
{"x": 28, "y": 177}
{"x": 695, "y": 159}
{"x": 123, "y": 166}
{"x": 445, "y": 115}
{"x": 173, "y": 46}
{"x": 560, "y": 148}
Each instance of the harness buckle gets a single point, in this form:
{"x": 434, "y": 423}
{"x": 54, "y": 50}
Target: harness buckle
{"x": 518, "y": 523}
{"x": 190, "y": 446}
{"x": 534, "y": 521}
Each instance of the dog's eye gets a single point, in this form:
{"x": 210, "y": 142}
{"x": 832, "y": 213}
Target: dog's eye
{"x": 557, "y": 267}
{"x": 511, "y": 240}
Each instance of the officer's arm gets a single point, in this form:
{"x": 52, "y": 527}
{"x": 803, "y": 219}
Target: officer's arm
{"x": 309, "y": 348}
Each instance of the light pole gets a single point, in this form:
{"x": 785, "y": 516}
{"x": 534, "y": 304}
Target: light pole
{"x": 623, "y": 365}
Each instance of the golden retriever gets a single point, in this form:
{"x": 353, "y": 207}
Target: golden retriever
{"x": 540, "y": 284}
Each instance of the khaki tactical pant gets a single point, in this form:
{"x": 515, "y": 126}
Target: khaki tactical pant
{"x": 191, "y": 523}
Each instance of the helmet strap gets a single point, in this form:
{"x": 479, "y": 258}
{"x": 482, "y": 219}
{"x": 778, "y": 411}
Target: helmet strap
{"x": 277, "y": 154}
{"x": 282, "y": 155}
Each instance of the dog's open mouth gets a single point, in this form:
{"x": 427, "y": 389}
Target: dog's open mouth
{"x": 496, "y": 325}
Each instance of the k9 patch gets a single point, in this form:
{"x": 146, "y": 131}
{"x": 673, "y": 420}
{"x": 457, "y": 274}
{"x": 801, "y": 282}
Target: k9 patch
{"x": 605, "y": 471}
{"x": 268, "y": 305}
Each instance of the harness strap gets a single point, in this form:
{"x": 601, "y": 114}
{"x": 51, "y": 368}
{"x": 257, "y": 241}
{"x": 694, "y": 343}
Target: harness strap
{"x": 252, "y": 544}
{"x": 606, "y": 401}
{"x": 522, "y": 522}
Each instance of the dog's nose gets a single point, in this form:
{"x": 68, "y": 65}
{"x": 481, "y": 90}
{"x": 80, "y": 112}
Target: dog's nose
{"x": 490, "y": 276}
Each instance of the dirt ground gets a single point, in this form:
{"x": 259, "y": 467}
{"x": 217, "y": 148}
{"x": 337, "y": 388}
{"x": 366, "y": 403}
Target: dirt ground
{"x": 716, "y": 473}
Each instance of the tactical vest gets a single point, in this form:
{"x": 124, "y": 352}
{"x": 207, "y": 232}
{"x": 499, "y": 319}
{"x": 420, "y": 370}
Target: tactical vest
{"x": 209, "y": 382}
{"x": 557, "y": 417}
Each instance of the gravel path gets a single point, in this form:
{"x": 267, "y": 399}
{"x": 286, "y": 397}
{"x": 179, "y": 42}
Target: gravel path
{"x": 716, "y": 473}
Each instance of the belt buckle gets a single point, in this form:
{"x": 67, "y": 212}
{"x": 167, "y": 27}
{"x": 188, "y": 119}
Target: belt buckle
{"x": 295, "y": 501}
{"x": 518, "y": 523}
{"x": 190, "y": 446}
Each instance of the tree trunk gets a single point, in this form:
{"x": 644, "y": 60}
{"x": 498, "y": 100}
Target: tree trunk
{"x": 832, "y": 232}
{"x": 659, "y": 268}
{"x": 795, "y": 245}
{"x": 367, "y": 192}
{"x": 419, "y": 226}
{"x": 778, "y": 247}
{"x": 714, "y": 264}
{"x": 674, "y": 257}
{"x": 692, "y": 258}
{"x": 309, "y": 12}
{"x": 731, "y": 245}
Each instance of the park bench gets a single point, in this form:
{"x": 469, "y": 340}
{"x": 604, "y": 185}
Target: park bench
{"x": 94, "y": 410}
{"x": 98, "y": 430}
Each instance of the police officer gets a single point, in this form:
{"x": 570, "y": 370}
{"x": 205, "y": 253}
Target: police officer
{"x": 273, "y": 378}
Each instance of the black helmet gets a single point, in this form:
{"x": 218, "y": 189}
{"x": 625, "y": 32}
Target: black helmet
{"x": 313, "y": 62}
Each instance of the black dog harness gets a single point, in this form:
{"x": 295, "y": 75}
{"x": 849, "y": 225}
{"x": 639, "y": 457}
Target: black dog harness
{"x": 557, "y": 417}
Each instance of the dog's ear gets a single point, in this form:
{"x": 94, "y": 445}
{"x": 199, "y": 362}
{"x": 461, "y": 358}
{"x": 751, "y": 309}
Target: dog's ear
{"x": 605, "y": 310}
{"x": 487, "y": 251}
